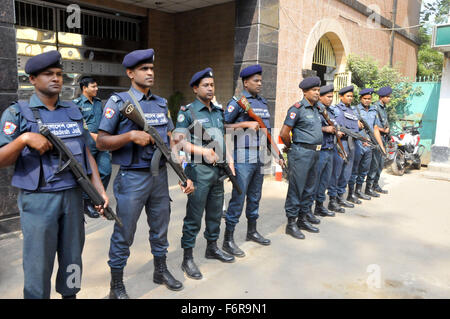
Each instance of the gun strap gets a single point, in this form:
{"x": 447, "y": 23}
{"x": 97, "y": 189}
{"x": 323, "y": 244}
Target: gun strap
{"x": 139, "y": 108}
{"x": 37, "y": 115}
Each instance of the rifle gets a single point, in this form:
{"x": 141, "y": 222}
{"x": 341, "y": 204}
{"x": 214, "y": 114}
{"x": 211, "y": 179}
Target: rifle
{"x": 132, "y": 113}
{"x": 355, "y": 135}
{"x": 377, "y": 142}
{"x": 274, "y": 150}
{"x": 339, "y": 145}
{"x": 78, "y": 171}
{"x": 196, "y": 126}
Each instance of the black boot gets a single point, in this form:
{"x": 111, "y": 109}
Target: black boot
{"x": 161, "y": 275}
{"x": 188, "y": 265}
{"x": 378, "y": 189}
{"x": 117, "y": 287}
{"x": 360, "y": 193}
{"x": 351, "y": 195}
{"x": 321, "y": 210}
{"x": 213, "y": 252}
{"x": 334, "y": 206}
{"x": 253, "y": 235}
{"x": 292, "y": 229}
{"x": 302, "y": 223}
{"x": 69, "y": 297}
{"x": 370, "y": 192}
{"x": 230, "y": 246}
{"x": 311, "y": 218}
{"x": 341, "y": 201}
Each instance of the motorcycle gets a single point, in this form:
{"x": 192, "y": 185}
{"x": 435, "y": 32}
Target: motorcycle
{"x": 404, "y": 150}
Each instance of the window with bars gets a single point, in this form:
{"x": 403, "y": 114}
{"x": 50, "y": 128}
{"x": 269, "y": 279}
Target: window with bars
{"x": 324, "y": 54}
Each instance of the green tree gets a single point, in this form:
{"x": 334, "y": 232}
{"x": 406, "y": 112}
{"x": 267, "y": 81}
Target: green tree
{"x": 367, "y": 73}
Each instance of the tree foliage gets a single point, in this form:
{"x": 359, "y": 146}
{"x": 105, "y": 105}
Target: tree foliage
{"x": 366, "y": 73}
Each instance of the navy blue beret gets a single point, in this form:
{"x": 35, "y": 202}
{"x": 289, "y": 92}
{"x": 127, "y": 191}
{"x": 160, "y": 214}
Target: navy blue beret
{"x": 326, "y": 89}
{"x": 249, "y": 71}
{"x": 366, "y": 91}
{"x": 347, "y": 89}
{"x": 385, "y": 91}
{"x": 43, "y": 61}
{"x": 138, "y": 56}
{"x": 197, "y": 77}
{"x": 313, "y": 81}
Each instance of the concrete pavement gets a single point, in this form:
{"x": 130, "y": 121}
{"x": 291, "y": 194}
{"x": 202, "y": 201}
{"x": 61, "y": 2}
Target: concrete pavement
{"x": 396, "y": 246}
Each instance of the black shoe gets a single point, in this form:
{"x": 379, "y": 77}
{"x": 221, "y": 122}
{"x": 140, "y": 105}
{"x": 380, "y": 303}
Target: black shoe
{"x": 161, "y": 275}
{"x": 253, "y": 235}
{"x": 370, "y": 192}
{"x": 69, "y": 297}
{"x": 360, "y": 194}
{"x": 117, "y": 287}
{"x": 213, "y": 252}
{"x": 342, "y": 202}
{"x": 302, "y": 223}
{"x": 378, "y": 189}
{"x": 311, "y": 218}
{"x": 351, "y": 195}
{"x": 230, "y": 246}
{"x": 321, "y": 210}
{"x": 189, "y": 267}
{"x": 334, "y": 206}
{"x": 89, "y": 209}
{"x": 292, "y": 229}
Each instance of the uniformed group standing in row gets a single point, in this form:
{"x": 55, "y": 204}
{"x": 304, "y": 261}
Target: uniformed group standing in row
{"x": 51, "y": 202}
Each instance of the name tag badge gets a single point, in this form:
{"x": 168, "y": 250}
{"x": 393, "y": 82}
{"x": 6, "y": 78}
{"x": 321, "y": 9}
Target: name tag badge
{"x": 350, "y": 116}
{"x": 156, "y": 118}
{"x": 64, "y": 129}
{"x": 203, "y": 121}
{"x": 262, "y": 113}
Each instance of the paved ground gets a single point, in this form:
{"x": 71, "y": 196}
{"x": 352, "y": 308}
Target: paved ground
{"x": 394, "y": 247}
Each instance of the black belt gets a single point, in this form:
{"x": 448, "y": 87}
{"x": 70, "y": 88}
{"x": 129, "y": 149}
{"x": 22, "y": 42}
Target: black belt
{"x": 310, "y": 146}
{"x": 142, "y": 169}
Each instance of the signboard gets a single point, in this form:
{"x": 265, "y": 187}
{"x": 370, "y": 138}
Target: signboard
{"x": 441, "y": 38}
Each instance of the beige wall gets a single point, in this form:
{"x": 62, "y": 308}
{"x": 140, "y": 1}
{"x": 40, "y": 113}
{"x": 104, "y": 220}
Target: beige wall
{"x": 301, "y": 26}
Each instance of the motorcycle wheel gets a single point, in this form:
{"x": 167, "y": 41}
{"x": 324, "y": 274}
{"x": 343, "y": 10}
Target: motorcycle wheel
{"x": 417, "y": 164}
{"x": 398, "y": 166}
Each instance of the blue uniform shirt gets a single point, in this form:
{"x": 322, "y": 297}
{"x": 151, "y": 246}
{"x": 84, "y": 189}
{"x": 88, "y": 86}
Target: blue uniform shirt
{"x": 382, "y": 116}
{"x": 328, "y": 139}
{"x": 346, "y": 116}
{"x": 247, "y": 139}
{"x": 370, "y": 116}
{"x": 92, "y": 112}
{"x": 305, "y": 122}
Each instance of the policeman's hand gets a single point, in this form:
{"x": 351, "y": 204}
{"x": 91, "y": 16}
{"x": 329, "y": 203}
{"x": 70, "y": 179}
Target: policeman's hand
{"x": 365, "y": 144}
{"x": 360, "y": 125}
{"x": 37, "y": 142}
{"x": 101, "y": 209}
{"x": 340, "y": 134}
{"x": 141, "y": 138}
{"x": 285, "y": 149}
{"x": 282, "y": 163}
{"x": 329, "y": 129}
{"x": 387, "y": 130}
{"x": 253, "y": 125}
{"x": 189, "y": 187}
{"x": 210, "y": 156}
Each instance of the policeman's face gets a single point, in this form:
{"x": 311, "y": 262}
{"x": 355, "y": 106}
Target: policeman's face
{"x": 312, "y": 95}
{"x": 347, "y": 98}
{"x": 143, "y": 75}
{"x": 48, "y": 82}
{"x": 366, "y": 100}
{"x": 253, "y": 84}
{"x": 386, "y": 99}
{"x": 327, "y": 99}
{"x": 91, "y": 90}
{"x": 205, "y": 89}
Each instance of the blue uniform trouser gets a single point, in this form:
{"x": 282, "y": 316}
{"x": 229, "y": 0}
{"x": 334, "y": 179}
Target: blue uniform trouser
{"x": 341, "y": 172}
{"x": 207, "y": 197}
{"x": 323, "y": 172}
{"x": 375, "y": 167}
{"x": 250, "y": 179}
{"x": 302, "y": 165}
{"x": 51, "y": 223}
{"x": 134, "y": 190}
{"x": 361, "y": 164}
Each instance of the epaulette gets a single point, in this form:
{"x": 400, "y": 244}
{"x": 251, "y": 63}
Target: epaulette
{"x": 298, "y": 105}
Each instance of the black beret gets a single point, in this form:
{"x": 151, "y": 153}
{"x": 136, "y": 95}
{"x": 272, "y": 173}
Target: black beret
{"x": 138, "y": 56}
{"x": 385, "y": 91}
{"x": 347, "y": 89}
{"x": 43, "y": 61}
{"x": 313, "y": 81}
{"x": 366, "y": 91}
{"x": 251, "y": 70}
{"x": 326, "y": 89}
{"x": 197, "y": 77}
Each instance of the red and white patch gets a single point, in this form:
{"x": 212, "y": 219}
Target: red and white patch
{"x": 109, "y": 113}
{"x": 9, "y": 128}
{"x": 230, "y": 108}
{"x": 292, "y": 115}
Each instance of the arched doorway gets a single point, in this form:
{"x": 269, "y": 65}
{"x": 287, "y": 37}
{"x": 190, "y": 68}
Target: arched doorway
{"x": 324, "y": 61}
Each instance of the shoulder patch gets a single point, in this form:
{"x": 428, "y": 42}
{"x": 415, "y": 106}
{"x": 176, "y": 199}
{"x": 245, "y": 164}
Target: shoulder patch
{"x": 292, "y": 115}
{"x": 181, "y": 118}
{"x": 109, "y": 113}
{"x": 9, "y": 128}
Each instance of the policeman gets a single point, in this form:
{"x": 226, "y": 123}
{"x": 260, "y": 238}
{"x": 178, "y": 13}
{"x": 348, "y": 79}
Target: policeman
{"x": 377, "y": 158}
{"x": 344, "y": 116}
{"x": 91, "y": 108}
{"x": 134, "y": 186}
{"x": 209, "y": 192}
{"x": 303, "y": 155}
{"x": 248, "y": 164}
{"x": 49, "y": 201}
{"x": 363, "y": 153}
{"x": 326, "y": 156}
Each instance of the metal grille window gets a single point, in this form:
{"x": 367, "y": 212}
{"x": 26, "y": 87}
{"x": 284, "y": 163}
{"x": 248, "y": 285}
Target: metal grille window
{"x": 324, "y": 54}
{"x": 34, "y": 16}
